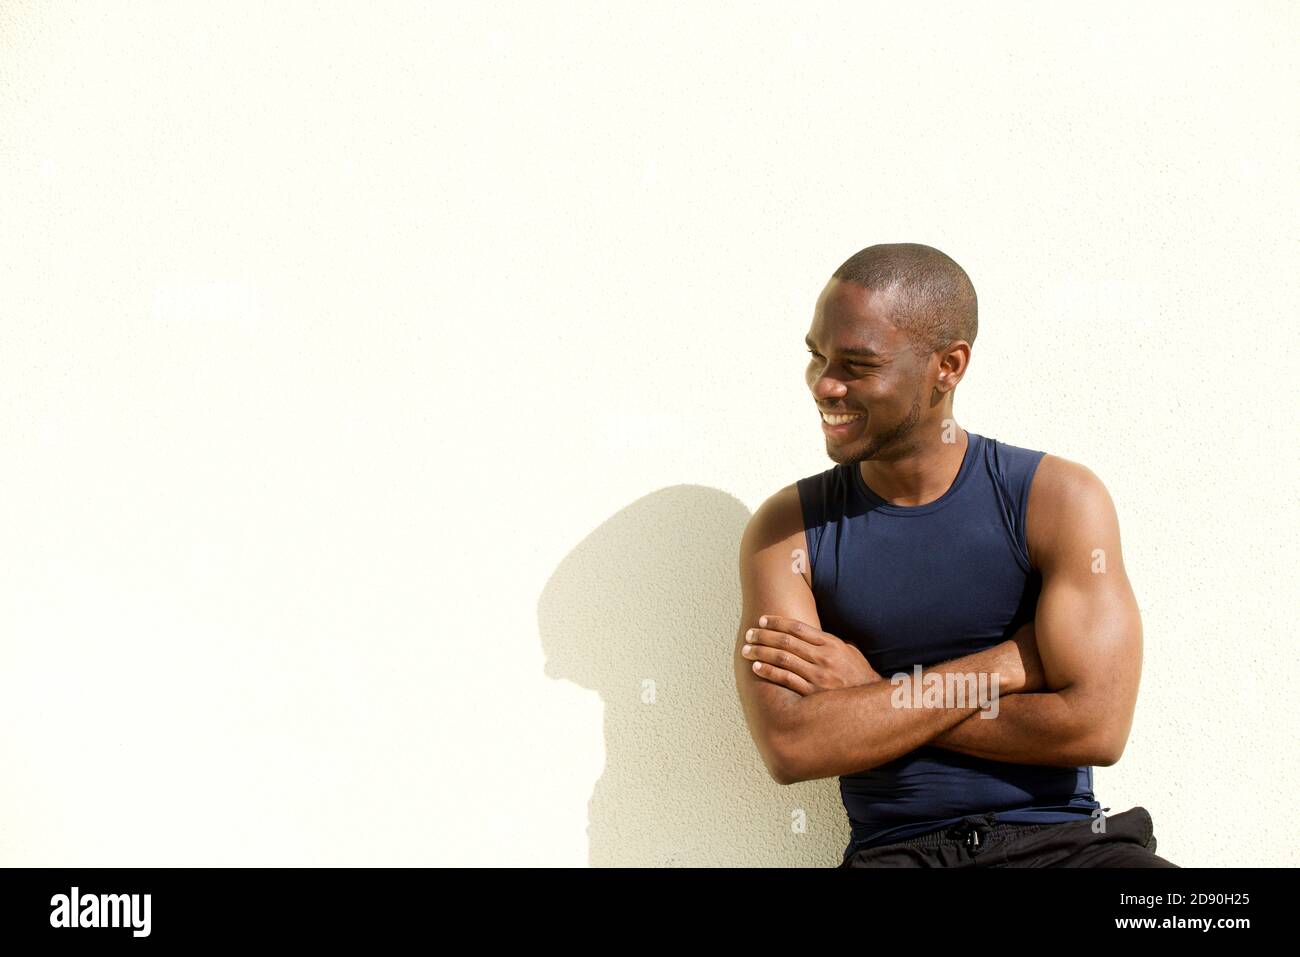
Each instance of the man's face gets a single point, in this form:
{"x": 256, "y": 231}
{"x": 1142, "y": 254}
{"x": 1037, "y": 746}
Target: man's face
{"x": 861, "y": 364}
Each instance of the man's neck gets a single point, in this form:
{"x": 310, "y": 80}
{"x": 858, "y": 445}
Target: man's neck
{"x": 921, "y": 475}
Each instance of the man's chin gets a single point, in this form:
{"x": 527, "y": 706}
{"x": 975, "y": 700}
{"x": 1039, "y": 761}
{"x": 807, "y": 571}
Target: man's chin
{"x": 846, "y": 454}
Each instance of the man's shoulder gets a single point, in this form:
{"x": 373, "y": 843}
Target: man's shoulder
{"x": 1064, "y": 481}
{"x": 1053, "y": 477}
{"x": 794, "y": 503}
{"x": 790, "y": 510}
{"x": 1065, "y": 497}
{"x": 1010, "y": 457}
{"x": 780, "y": 514}
{"x": 775, "y": 534}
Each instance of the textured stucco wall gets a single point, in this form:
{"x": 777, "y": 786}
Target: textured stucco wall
{"x": 386, "y": 390}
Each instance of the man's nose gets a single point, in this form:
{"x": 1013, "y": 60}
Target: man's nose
{"x": 826, "y": 386}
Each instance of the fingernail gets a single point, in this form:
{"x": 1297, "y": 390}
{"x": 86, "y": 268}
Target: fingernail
{"x": 762, "y": 622}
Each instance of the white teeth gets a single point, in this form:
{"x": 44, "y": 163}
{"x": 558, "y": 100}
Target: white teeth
{"x": 839, "y": 419}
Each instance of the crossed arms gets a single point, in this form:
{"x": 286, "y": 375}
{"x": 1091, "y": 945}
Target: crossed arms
{"x": 1068, "y": 680}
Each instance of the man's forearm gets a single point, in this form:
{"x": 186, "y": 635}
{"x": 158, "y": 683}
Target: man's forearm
{"x": 846, "y": 730}
{"x": 1035, "y": 728}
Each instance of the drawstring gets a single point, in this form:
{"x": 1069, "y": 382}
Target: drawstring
{"x": 972, "y": 830}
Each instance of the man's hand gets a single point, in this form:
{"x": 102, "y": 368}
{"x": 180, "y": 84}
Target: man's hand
{"x": 1031, "y": 663}
{"x": 805, "y": 659}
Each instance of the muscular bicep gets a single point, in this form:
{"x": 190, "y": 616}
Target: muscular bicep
{"x": 1087, "y": 624}
{"x": 774, "y": 580}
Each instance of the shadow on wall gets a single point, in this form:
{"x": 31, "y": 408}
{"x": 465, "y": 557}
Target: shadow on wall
{"x": 645, "y": 611}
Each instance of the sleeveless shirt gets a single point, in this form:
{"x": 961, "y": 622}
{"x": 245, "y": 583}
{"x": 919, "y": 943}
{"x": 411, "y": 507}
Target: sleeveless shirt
{"x": 921, "y": 585}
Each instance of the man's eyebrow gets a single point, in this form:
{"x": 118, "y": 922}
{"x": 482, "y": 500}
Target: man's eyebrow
{"x": 853, "y": 351}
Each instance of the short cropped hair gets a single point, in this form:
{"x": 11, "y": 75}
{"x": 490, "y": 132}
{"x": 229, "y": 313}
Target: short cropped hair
{"x": 933, "y": 298}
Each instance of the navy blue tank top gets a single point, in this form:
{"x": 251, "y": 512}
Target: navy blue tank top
{"x": 921, "y": 585}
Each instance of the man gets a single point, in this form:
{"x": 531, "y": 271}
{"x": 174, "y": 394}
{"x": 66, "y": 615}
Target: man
{"x": 942, "y": 560}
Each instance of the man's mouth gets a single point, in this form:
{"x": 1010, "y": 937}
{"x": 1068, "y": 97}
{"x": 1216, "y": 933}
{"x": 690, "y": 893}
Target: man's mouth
{"x": 841, "y": 425}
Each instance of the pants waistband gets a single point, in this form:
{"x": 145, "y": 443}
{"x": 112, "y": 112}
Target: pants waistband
{"x": 972, "y": 831}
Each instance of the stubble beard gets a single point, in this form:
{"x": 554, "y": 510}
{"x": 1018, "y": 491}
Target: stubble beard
{"x": 897, "y": 436}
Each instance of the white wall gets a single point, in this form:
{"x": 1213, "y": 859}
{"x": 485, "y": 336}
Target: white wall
{"x": 385, "y": 391}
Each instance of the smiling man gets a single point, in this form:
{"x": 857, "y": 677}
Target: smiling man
{"x": 951, "y": 560}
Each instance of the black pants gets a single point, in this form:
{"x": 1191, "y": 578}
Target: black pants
{"x": 980, "y": 841}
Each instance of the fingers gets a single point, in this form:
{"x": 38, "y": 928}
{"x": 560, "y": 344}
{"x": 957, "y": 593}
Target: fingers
{"x": 774, "y": 656}
{"x": 779, "y": 639}
{"x": 793, "y": 626}
{"x": 782, "y": 677}
{"x": 782, "y": 666}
